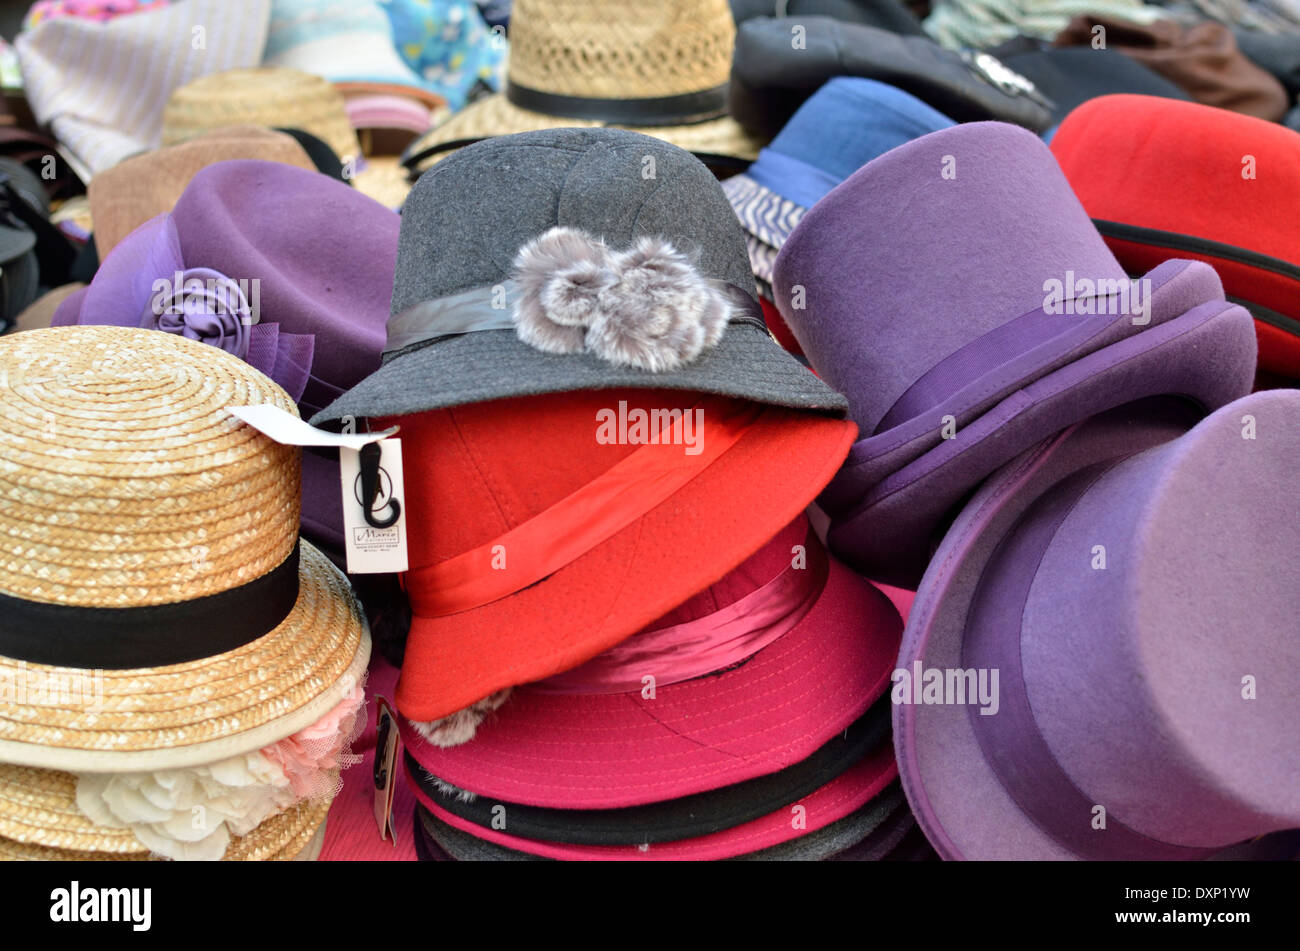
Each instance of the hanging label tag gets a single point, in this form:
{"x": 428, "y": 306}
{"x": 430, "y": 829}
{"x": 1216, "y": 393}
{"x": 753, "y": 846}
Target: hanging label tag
{"x": 288, "y": 430}
{"x": 385, "y": 777}
{"x": 377, "y": 544}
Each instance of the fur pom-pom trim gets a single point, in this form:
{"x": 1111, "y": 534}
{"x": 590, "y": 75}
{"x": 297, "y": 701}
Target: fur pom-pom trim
{"x": 647, "y": 307}
{"x": 460, "y": 726}
{"x": 446, "y": 788}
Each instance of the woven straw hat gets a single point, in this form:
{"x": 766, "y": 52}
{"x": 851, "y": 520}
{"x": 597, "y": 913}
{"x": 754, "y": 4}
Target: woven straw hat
{"x": 658, "y": 68}
{"x": 278, "y": 97}
{"x": 39, "y": 820}
{"x": 265, "y": 96}
{"x": 134, "y": 503}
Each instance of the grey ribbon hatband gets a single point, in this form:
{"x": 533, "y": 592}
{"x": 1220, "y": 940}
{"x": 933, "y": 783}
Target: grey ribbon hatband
{"x": 488, "y": 307}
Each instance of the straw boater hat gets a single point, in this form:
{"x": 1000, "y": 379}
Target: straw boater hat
{"x": 658, "y": 68}
{"x": 39, "y": 820}
{"x": 149, "y": 547}
{"x": 278, "y": 97}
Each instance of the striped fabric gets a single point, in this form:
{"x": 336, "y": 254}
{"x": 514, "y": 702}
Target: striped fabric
{"x": 102, "y": 87}
{"x": 767, "y": 218}
{"x": 986, "y": 23}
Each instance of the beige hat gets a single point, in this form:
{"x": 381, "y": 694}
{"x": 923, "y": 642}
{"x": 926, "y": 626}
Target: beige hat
{"x": 157, "y": 609}
{"x": 130, "y": 193}
{"x": 658, "y": 68}
{"x": 278, "y": 97}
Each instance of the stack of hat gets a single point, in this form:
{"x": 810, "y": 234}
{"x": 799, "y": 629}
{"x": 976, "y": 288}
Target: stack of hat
{"x": 180, "y": 675}
{"x": 627, "y": 642}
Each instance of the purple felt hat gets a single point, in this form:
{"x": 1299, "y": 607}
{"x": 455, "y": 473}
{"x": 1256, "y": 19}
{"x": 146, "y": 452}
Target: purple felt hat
{"x": 1129, "y": 581}
{"x": 287, "y": 269}
{"x": 957, "y": 293}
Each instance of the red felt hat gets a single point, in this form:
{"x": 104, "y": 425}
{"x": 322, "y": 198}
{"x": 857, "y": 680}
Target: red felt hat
{"x": 546, "y": 529}
{"x": 1166, "y": 179}
{"x": 564, "y": 746}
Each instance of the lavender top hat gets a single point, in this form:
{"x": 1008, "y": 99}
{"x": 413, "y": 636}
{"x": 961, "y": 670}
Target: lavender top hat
{"x": 287, "y": 269}
{"x": 843, "y": 126}
{"x": 1128, "y": 581}
{"x": 956, "y": 292}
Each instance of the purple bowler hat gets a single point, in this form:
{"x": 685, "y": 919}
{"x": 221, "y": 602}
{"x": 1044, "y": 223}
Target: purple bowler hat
{"x": 956, "y": 292}
{"x": 1130, "y": 581}
{"x": 287, "y": 269}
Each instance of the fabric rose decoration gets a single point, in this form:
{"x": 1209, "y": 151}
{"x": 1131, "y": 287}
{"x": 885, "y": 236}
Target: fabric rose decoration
{"x": 204, "y": 305}
{"x": 193, "y": 814}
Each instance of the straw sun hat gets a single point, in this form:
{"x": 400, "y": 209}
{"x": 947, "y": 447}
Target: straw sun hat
{"x": 278, "y": 97}
{"x": 39, "y": 821}
{"x": 157, "y": 610}
{"x": 658, "y": 68}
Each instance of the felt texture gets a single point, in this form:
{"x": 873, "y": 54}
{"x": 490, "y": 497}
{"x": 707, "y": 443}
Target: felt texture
{"x": 1205, "y": 355}
{"x": 678, "y": 818}
{"x": 1121, "y": 152}
{"x": 466, "y": 219}
{"x": 771, "y": 78}
{"x": 1072, "y": 75}
{"x": 841, "y": 797}
{"x": 270, "y": 222}
{"x": 1201, "y": 57}
{"x": 478, "y": 471}
{"x": 1141, "y": 704}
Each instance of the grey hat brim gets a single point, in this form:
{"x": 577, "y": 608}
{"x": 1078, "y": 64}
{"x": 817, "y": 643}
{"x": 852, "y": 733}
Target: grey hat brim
{"x": 495, "y": 364}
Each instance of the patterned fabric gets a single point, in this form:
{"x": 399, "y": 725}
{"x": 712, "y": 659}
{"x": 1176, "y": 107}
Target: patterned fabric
{"x": 449, "y": 45}
{"x": 1265, "y": 16}
{"x": 100, "y": 11}
{"x": 768, "y": 219}
{"x": 345, "y": 41}
{"x": 986, "y": 23}
{"x": 101, "y": 87}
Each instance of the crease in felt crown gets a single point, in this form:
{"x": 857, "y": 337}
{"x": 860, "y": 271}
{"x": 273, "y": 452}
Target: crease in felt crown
{"x": 647, "y": 307}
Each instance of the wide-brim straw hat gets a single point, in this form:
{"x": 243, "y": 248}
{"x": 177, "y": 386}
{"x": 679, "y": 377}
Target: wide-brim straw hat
{"x": 278, "y": 98}
{"x": 144, "y": 186}
{"x": 39, "y": 820}
{"x": 133, "y": 499}
{"x": 660, "y": 68}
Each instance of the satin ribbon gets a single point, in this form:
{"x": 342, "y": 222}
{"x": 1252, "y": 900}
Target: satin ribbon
{"x": 582, "y": 520}
{"x": 1011, "y": 741}
{"x": 701, "y": 646}
{"x": 488, "y": 307}
{"x": 683, "y": 109}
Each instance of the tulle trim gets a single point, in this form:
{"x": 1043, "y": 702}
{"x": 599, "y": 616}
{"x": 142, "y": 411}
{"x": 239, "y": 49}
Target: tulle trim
{"x": 192, "y": 814}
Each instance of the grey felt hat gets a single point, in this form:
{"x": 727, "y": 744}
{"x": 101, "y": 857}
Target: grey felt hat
{"x": 574, "y": 259}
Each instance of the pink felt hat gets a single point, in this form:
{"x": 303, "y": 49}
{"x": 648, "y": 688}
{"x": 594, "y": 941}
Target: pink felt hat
{"x": 560, "y": 744}
{"x": 1129, "y": 582}
{"x": 832, "y": 802}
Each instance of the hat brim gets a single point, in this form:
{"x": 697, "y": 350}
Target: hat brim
{"x": 872, "y": 831}
{"x": 703, "y": 531}
{"x": 496, "y": 115}
{"x": 201, "y": 711}
{"x": 295, "y": 835}
{"x": 607, "y": 751}
{"x": 955, "y": 794}
{"x": 1206, "y": 354}
{"x": 839, "y": 798}
{"x": 495, "y": 364}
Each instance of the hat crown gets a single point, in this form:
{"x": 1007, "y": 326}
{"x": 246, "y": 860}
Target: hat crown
{"x": 1159, "y": 595}
{"x": 851, "y": 120}
{"x": 127, "y": 481}
{"x": 983, "y": 203}
{"x": 273, "y": 96}
{"x": 466, "y": 219}
{"x": 608, "y": 49}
